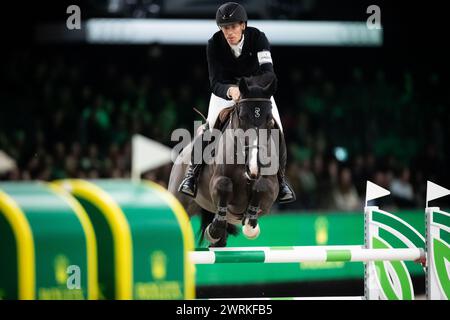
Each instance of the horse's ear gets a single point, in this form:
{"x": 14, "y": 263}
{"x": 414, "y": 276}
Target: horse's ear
{"x": 271, "y": 86}
{"x": 243, "y": 86}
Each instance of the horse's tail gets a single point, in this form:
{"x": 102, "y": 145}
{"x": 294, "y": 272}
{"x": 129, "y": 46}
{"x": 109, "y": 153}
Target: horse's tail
{"x": 206, "y": 218}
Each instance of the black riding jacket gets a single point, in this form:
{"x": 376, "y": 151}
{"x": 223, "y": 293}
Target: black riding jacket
{"x": 225, "y": 69}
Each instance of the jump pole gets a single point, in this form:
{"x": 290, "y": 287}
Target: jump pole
{"x": 299, "y": 254}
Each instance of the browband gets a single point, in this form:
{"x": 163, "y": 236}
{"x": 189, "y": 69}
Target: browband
{"x": 255, "y": 99}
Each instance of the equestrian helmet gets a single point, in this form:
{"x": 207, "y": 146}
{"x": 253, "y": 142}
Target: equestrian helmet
{"x": 229, "y": 13}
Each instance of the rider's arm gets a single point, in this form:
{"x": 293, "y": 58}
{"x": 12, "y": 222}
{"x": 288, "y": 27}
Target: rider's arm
{"x": 216, "y": 77}
{"x": 264, "y": 55}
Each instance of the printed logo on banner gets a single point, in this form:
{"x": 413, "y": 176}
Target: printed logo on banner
{"x": 159, "y": 287}
{"x": 158, "y": 262}
{"x": 68, "y": 281}
{"x": 321, "y": 227}
{"x": 61, "y": 263}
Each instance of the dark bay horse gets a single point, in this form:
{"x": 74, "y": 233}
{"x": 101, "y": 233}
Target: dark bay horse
{"x": 236, "y": 193}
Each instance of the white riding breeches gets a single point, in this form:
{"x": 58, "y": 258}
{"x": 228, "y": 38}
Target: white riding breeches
{"x": 217, "y": 104}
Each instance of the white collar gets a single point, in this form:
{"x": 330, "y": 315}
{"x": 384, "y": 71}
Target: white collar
{"x": 237, "y": 48}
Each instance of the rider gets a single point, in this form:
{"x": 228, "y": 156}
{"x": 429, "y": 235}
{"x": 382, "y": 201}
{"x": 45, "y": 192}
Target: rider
{"x": 233, "y": 52}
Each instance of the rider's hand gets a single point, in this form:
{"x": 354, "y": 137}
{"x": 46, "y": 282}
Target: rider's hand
{"x": 234, "y": 93}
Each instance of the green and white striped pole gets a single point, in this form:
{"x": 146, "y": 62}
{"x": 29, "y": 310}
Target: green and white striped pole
{"x": 296, "y": 298}
{"x": 304, "y": 254}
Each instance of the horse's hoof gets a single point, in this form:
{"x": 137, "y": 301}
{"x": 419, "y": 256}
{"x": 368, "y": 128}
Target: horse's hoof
{"x": 220, "y": 244}
{"x": 250, "y": 232}
{"x": 209, "y": 237}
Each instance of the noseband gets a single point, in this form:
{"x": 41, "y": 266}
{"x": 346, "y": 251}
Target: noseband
{"x": 239, "y": 103}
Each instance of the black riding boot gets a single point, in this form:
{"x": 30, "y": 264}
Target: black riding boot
{"x": 285, "y": 194}
{"x": 189, "y": 184}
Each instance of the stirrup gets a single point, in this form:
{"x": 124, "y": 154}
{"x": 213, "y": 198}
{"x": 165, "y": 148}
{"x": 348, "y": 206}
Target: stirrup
{"x": 186, "y": 189}
{"x": 287, "y": 198}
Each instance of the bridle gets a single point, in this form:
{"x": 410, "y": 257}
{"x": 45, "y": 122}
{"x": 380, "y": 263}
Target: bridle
{"x": 238, "y": 104}
{"x": 248, "y": 148}
{"x": 253, "y": 100}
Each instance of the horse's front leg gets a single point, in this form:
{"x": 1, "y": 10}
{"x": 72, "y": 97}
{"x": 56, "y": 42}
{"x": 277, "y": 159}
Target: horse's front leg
{"x": 222, "y": 191}
{"x": 261, "y": 192}
{"x": 250, "y": 226}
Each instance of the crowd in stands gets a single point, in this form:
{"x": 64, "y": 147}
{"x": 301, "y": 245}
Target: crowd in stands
{"x": 71, "y": 112}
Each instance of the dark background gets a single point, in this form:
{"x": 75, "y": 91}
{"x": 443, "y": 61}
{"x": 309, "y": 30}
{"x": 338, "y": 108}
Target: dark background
{"x": 70, "y": 109}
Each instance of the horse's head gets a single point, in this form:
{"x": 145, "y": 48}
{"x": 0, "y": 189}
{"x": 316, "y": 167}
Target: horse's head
{"x": 255, "y": 108}
{"x": 254, "y": 115}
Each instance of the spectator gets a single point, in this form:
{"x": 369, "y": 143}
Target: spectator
{"x": 402, "y": 190}
{"x": 345, "y": 197}
{"x": 82, "y": 109}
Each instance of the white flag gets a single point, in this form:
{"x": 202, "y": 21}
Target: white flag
{"x": 374, "y": 191}
{"x": 6, "y": 162}
{"x": 435, "y": 191}
{"x": 147, "y": 154}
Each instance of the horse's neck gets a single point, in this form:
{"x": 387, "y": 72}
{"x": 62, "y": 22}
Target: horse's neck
{"x": 227, "y": 137}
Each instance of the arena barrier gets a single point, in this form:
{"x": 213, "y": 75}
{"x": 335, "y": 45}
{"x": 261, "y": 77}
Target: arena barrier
{"x": 389, "y": 241}
{"x": 127, "y": 241}
{"x": 47, "y": 244}
{"x": 143, "y": 237}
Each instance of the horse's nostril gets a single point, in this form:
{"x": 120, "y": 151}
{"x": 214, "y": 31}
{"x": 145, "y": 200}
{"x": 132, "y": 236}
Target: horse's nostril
{"x": 250, "y": 175}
